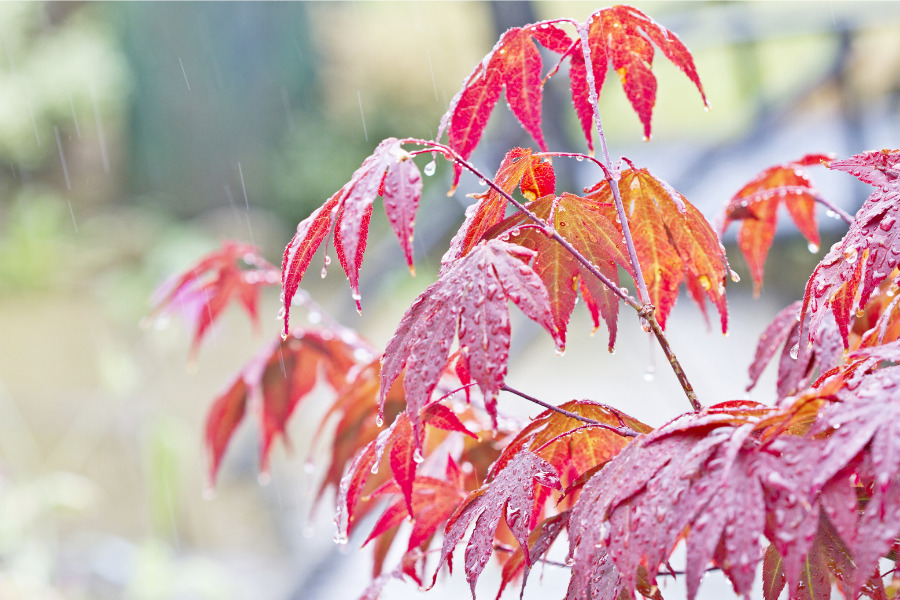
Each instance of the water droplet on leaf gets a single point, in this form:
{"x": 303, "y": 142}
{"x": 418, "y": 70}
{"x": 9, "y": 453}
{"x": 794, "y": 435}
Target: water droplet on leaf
{"x": 417, "y": 456}
{"x": 430, "y": 168}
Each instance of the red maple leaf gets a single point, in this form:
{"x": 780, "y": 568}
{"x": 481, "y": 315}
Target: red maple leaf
{"x": 854, "y": 267}
{"x": 203, "y": 291}
{"x": 673, "y": 241}
{"x": 277, "y": 379}
{"x": 519, "y": 168}
{"x": 582, "y": 223}
{"x": 756, "y": 206}
{"x": 514, "y": 63}
{"x": 509, "y": 496}
{"x": 471, "y": 296}
{"x": 624, "y": 36}
{"x": 388, "y": 172}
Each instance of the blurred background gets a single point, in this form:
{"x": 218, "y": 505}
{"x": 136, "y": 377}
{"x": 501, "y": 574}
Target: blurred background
{"x": 134, "y": 137}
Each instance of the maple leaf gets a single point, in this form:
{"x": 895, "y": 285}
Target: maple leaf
{"x": 278, "y": 379}
{"x": 673, "y": 241}
{"x": 539, "y": 541}
{"x": 432, "y": 504}
{"x": 389, "y": 172}
{"x": 403, "y": 458}
{"x": 798, "y": 363}
{"x": 519, "y": 168}
{"x": 470, "y": 296}
{"x": 829, "y": 562}
{"x": 624, "y": 36}
{"x": 870, "y": 250}
{"x": 571, "y": 446}
{"x": 203, "y": 291}
{"x": 705, "y": 473}
{"x": 509, "y": 495}
{"x": 864, "y": 427}
{"x": 514, "y": 64}
{"x": 583, "y": 224}
{"x": 756, "y": 206}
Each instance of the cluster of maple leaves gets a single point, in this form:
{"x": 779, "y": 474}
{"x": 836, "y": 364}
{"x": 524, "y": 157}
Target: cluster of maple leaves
{"x": 809, "y": 487}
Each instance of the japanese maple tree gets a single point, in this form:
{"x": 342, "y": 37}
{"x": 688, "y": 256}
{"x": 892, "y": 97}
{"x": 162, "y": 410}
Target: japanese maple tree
{"x": 806, "y": 491}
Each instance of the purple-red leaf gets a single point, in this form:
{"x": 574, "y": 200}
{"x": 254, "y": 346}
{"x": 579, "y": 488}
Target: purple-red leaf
{"x": 510, "y": 496}
{"x": 388, "y": 172}
{"x": 845, "y": 279}
{"x": 471, "y": 297}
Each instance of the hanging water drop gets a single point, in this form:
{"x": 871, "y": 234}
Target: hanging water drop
{"x": 482, "y": 182}
{"x": 379, "y": 421}
{"x": 735, "y": 277}
{"x": 579, "y": 158}
{"x": 812, "y": 247}
{"x": 281, "y": 312}
{"x": 417, "y": 456}
{"x": 340, "y": 539}
{"x": 324, "y": 271}
{"x": 645, "y": 324}
{"x": 795, "y": 351}
{"x": 650, "y": 373}
{"x": 430, "y": 168}
{"x": 374, "y": 468}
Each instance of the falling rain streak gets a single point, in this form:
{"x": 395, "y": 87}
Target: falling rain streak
{"x": 183, "y": 72}
{"x": 433, "y": 81}
{"x": 362, "y": 115}
{"x": 246, "y": 202}
{"x": 101, "y": 135}
{"x": 65, "y": 170}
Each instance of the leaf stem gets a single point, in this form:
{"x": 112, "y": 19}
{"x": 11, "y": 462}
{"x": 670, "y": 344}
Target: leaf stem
{"x": 552, "y": 407}
{"x": 612, "y": 172}
{"x": 846, "y": 218}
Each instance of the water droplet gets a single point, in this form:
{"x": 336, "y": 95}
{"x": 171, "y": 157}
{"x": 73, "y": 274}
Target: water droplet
{"x": 482, "y": 182}
{"x": 735, "y": 277}
{"x": 812, "y": 247}
{"x": 417, "y": 456}
{"x": 374, "y": 469}
{"x": 340, "y": 539}
{"x": 430, "y": 168}
{"x": 324, "y": 271}
{"x": 284, "y": 335}
{"x": 645, "y": 324}
{"x": 579, "y": 158}
{"x": 570, "y": 560}
{"x": 281, "y": 313}
{"x": 795, "y": 351}
{"x": 379, "y": 421}
{"x": 650, "y": 373}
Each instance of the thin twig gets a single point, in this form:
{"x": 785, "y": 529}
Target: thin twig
{"x": 612, "y": 173}
{"x": 623, "y": 431}
{"x": 552, "y": 407}
{"x": 835, "y": 209}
